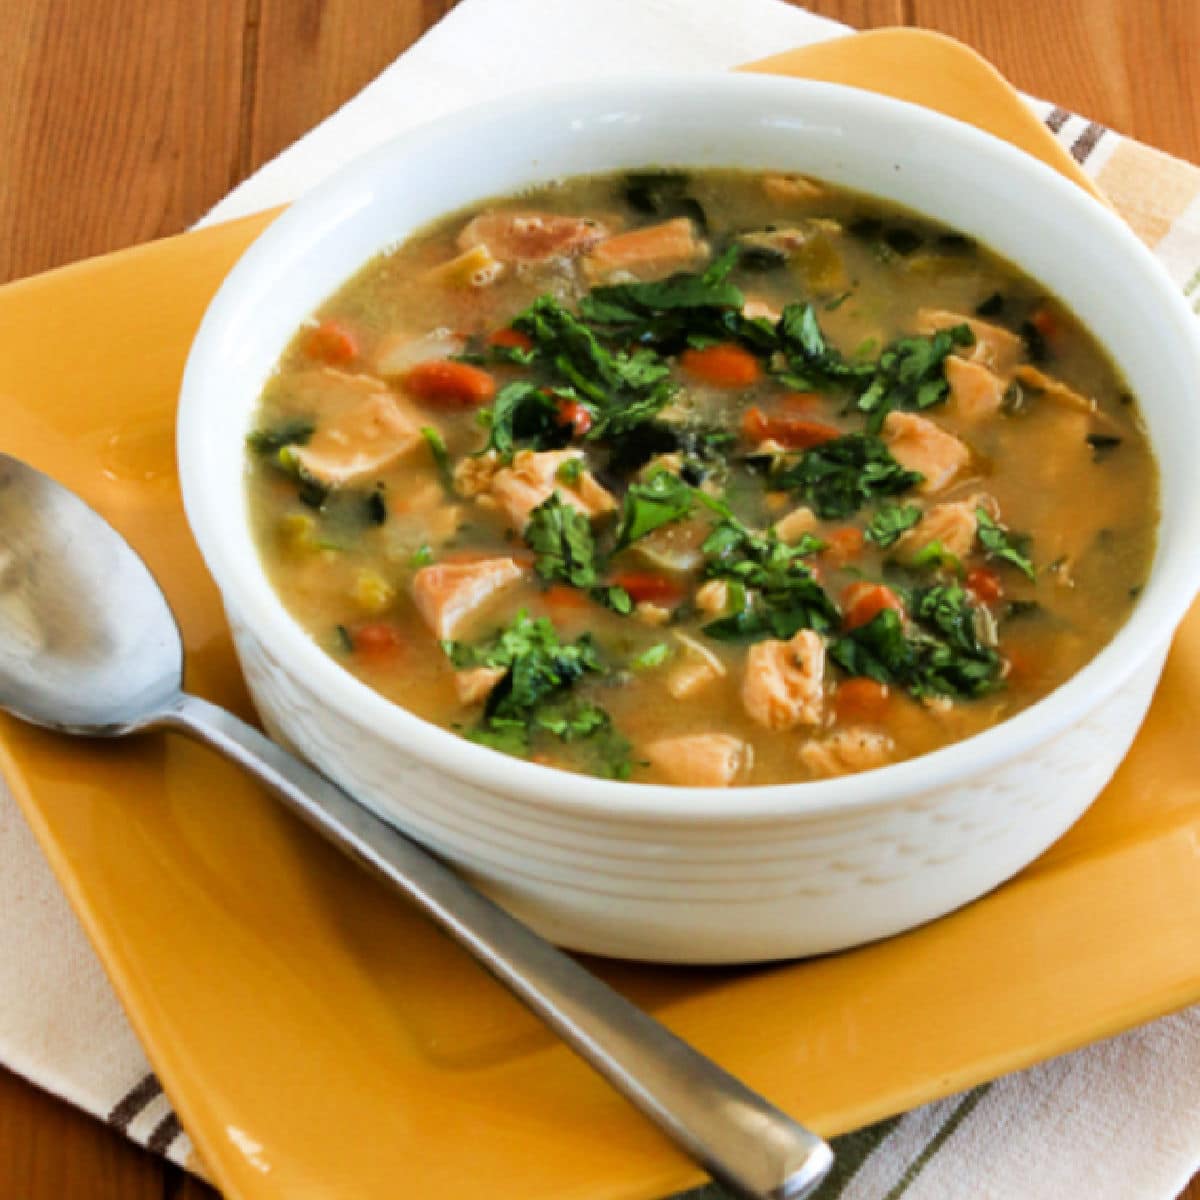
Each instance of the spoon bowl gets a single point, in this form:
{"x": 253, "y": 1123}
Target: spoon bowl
{"x": 88, "y": 644}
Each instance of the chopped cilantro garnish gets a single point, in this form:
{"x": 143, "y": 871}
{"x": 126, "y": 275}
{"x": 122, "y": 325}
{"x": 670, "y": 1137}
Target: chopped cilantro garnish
{"x": 651, "y": 504}
{"x": 524, "y": 415}
{"x": 890, "y": 521}
{"x": 569, "y": 471}
{"x": 441, "y": 456}
{"x": 422, "y": 556}
{"x": 561, "y": 537}
{"x": 653, "y": 656}
{"x": 534, "y": 697}
{"x": 910, "y": 374}
{"x": 998, "y": 542}
{"x": 840, "y": 476}
{"x": 940, "y": 655}
{"x": 290, "y": 433}
{"x": 777, "y": 591}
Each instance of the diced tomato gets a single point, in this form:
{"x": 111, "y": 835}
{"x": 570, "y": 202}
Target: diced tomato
{"x": 512, "y": 339}
{"x": 648, "y": 587}
{"x": 1045, "y": 321}
{"x": 560, "y": 596}
{"x": 576, "y": 415}
{"x": 331, "y": 342}
{"x": 447, "y": 384}
{"x": 863, "y": 602}
{"x": 725, "y": 365}
{"x": 378, "y": 640}
{"x": 986, "y": 585}
{"x": 861, "y": 701}
{"x": 795, "y": 433}
{"x": 842, "y": 546}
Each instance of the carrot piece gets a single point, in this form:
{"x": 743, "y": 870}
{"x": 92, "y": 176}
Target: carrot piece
{"x": 986, "y": 585}
{"x": 572, "y": 413}
{"x": 447, "y": 384}
{"x": 331, "y": 342}
{"x": 725, "y": 365}
{"x": 1045, "y": 320}
{"x": 512, "y": 339}
{"x": 795, "y": 433}
{"x": 843, "y": 545}
{"x": 646, "y": 586}
{"x": 560, "y": 596}
{"x": 861, "y": 701}
{"x": 377, "y": 640}
{"x": 863, "y": 602}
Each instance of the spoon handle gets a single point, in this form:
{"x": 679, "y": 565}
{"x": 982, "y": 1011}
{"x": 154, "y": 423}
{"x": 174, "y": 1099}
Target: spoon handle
{"x": 756, "y": 1151}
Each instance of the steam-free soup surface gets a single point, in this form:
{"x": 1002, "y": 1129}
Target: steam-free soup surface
{"x": 715, "y": 479}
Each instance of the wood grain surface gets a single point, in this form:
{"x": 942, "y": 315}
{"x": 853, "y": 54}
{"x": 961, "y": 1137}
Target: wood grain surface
{"x": 127, "y": 120}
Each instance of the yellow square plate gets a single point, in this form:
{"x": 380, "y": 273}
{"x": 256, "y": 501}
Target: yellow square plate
{"x": 320, "y": 1040}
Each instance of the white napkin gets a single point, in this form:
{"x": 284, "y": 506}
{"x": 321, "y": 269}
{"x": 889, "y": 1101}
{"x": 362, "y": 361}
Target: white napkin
{"x": 1117, "y": 1121}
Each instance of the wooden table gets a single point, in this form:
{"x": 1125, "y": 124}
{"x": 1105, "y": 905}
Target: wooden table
{"x": 127, "y": 120}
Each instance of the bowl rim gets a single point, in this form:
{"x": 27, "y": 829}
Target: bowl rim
{"x": 1170, "y": 586}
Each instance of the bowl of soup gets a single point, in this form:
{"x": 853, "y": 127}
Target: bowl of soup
{"x": 729, "y": 518}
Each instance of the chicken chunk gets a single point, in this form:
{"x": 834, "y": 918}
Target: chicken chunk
{"x": 995, "y": 347}
{"x": 796, "y": 524}
{"x": 1054, "y": 389}
{"x": 700, "y": 759}
{"x": 531, "y": 237}
{"x": 755, "y": 308}
{"x": 952, "y": 526}
{"x": 700, "y": 668}
{"x": 784, "y": 681}
{"x": 533, "y": 479}
{"x": 846, "y": 751}
{"x": 475, "y": 685}
{"x": 367, "y": 429}
{"x": 447, "y": 594}
{"x": 787, "y": 189}
{"x": 975, "y": 392}
{"x": 917, "y": 444}
{"x": 712, "y": 598}
{"x": 648, "y": 253}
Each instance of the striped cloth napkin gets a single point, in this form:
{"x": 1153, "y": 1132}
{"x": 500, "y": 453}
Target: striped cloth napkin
{"x": 1116, "y": 1121}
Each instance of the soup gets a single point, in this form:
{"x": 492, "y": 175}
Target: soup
{"x": 706, "y": 479}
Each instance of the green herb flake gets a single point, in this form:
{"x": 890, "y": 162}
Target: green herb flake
{"x": 422, "y": 556}
{"x": 561, "y": 538}
{"x": 837, "y": 478}
{"x": 441, "y": 456}
{"x": 651, "y": 504}
{"x": 890, "y": 521}
{"x": 1000, "y": 543}
{"x": 653, "y": 656}
{"x": 290, "y": 433}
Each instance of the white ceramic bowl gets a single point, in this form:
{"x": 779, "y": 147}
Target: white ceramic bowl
{"x": 685, "y": 874}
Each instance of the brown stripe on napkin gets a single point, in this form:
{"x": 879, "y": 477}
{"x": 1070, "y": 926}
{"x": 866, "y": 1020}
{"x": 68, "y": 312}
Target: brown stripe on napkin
{"x": 1085, "y": 143}
{"x": 163, "y": 1134}
{"x": 133, "y": 1102}
{"x": 1056, "y": 118}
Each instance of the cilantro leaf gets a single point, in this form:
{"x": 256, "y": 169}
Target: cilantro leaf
{"x": 651, "y": 504}
{"x": 534, "y": 698}
{"x": 890, "y": 521}
{"x": 561, "y": 537}
{"x": 910, "y": 374}
{"x": 778, "y": 592}
{"x": 837, "y": 478}
{"x": 290, "y": 433}
{"x": 523, "y": 415}
{"x": 940, "y": 655}
{"x": 812, "y": 362}
{"x": 998, "y": 542}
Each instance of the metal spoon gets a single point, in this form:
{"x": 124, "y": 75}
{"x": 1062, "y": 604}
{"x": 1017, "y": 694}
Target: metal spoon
{"x": 114, "y": 665}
